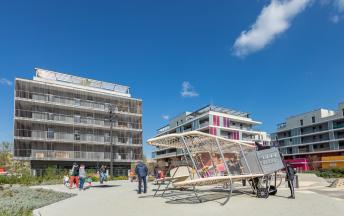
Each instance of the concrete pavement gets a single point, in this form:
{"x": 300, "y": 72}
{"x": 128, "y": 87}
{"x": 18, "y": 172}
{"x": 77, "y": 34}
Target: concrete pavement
{"x": 121, "y": 198}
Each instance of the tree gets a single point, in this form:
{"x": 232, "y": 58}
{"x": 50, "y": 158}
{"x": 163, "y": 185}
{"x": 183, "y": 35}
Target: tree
{"x": 5, "y": 155}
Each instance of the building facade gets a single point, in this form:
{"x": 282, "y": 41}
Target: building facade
{"x": 316, "y": 133}
{"x": 60, "y": 119}
{"x": 214, "y": 120}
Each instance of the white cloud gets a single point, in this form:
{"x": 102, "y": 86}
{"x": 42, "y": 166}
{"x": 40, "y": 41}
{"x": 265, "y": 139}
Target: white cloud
{"x": 188, "y": 90}
{"x": 4, "y": 81}
{"x": 339, "y": 4}
{"x": 273, "y": 20}
{"x": 335, "y": 18}
{"x": 338, "y": 15}
{"x": 166, "y": 117}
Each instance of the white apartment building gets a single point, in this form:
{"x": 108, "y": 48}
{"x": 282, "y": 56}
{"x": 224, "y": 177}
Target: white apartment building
{"x": 215, "y": 120}
{"x": 60, "y": 119}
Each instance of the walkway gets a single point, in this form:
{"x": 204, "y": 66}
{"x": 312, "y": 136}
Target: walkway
{"x": 120, "y": 198}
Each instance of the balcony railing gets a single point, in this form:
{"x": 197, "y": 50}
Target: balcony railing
{"x": 204, "y": 124}
{"x": 74, "y": 137}
{"x": 35, "y": 154}
{"x": 71, "y": 119}
{"x": 75, "y": 102}
{"x": 336, "y": 126}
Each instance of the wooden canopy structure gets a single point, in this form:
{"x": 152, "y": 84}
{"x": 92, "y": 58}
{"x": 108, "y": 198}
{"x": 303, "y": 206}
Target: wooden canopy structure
{"x": 215, "y": 160}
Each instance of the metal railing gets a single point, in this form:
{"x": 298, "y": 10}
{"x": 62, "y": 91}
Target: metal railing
{"x": 336, "y": 126}
{"x": 36, "y": 154}
{"x": 72, "y": 119}
{"x": 75, "y": 102}
{"x": 74, "y": 137}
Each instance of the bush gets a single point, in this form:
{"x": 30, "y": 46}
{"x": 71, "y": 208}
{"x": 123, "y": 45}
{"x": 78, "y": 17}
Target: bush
{"x": 30, "y": 180}
{"x": 336, "y": 172}
{"x": 120, "y": 178}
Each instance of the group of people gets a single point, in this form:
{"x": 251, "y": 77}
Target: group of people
{"x": 78, "y": 176}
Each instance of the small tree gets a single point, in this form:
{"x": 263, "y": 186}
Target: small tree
{"x": 5, "y": 155}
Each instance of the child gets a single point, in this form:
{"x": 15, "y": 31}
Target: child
{"x": 66, "y": 180}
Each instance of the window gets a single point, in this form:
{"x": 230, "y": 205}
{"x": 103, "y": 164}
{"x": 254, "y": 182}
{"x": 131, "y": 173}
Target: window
{"x": 77, "y": 119}
{"x": 313, "y": 119}
{"x": 76, "y": 135}
{"x": 50, "y": 134}
{"x": 77, "y": 102}
{"x": 301, "y": 122}
{"x": 343, "y": 111}
{"x": 51, "y": 116}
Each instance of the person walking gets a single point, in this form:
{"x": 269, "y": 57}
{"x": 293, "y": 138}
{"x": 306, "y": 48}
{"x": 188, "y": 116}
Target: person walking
{"x": 74, "y": 177}
{"x": 141, "y": 171}
{"x": 82, "y": 176}
{"x": 290, "y": 175}
{"x": 102, "y": 174}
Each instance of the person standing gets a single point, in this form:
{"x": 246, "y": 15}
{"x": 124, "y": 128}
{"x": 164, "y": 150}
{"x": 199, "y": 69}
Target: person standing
{"x": 141, "y": 171}
{"x": 290, "y": 175}
{"x": 74, "y": 177}
{"x": 102, "y": 174}
{"x": 82, "y": 176}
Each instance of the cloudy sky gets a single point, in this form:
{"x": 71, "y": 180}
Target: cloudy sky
{"x": 270, "y": 58}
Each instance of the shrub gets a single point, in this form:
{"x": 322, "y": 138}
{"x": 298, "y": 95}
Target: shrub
{"x": 22, "y": 200}
{"x": 336, "y": 172}
{"x": 120, "y": 178}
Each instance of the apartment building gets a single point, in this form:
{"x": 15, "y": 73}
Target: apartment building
{"x": 215, "y": 120}
{"x": 60, "y": 119}
{"x": 315, "y": 133}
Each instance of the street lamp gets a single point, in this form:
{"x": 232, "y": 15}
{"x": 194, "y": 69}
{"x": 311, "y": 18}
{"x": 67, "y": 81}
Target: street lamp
{"x": 111, "y": 118}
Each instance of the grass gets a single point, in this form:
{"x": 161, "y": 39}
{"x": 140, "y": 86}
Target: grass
{"x": 21, "y": 200}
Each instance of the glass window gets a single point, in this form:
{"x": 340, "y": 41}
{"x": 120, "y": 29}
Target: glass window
{"x": 76, "y": 135}
{"x": 77, "y": 119}
{"x": 77, "y": 102}
{"x": 313, "y": 119}
{"x": 50, "y": 134}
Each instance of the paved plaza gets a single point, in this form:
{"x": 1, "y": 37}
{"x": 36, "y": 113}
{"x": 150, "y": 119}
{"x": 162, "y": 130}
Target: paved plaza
{"x": 121, "y": 198}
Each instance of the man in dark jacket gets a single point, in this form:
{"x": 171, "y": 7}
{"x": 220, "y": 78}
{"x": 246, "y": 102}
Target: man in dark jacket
{"x": 141, "y": 171}
{"x": 290, "y": 175}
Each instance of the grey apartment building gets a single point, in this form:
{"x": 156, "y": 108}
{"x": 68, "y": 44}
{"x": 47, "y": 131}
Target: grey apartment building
{"x": 60, "y": 119}
{"x": 319, "y": 132}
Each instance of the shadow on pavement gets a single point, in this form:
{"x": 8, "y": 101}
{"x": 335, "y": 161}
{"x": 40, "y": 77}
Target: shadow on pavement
{"x": 104, "y": 186}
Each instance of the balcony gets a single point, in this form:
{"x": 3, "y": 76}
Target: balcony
{"x": 35, "y": 154}
{"x": 171, "y": 154}
{"x": 73, "y": 137}
{"x": 204, "y": 124}
{"x": 336, "y": 126}
{"x": 75, "y": 102}
{"x": 75, "y": 120}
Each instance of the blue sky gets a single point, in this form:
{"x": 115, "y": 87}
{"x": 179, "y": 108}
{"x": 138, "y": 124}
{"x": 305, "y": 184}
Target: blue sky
{"x": 270, "y": 58}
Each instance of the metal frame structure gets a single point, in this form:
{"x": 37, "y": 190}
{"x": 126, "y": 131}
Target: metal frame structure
{"x": 230, "y": 153}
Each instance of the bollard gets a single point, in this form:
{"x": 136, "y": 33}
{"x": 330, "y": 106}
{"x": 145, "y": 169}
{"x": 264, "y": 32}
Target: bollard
{"x": 296, "y": 181}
